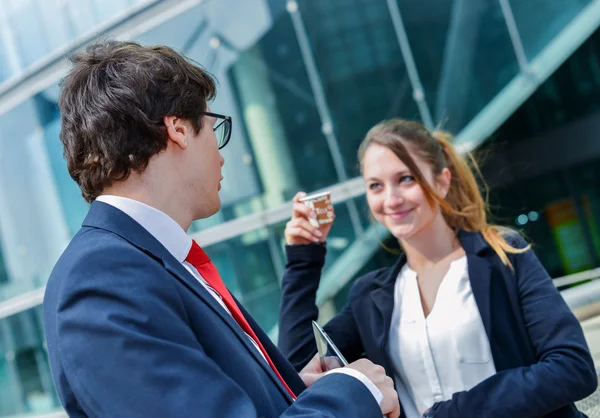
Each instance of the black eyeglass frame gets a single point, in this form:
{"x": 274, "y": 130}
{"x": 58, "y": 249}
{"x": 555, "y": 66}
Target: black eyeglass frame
{"x": 226, "y": 119}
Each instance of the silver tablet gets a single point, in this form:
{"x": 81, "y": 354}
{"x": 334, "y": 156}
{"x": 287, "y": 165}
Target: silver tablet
{"x": 329, "y": 355}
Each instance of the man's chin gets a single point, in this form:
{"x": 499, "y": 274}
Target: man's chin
{"x": 208, "y": 211}
{"x": 216, "y": 208}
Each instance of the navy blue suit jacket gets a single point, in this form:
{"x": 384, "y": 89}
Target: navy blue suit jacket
{"x": 131, "y": 333}
{"x": 542, "y": 360}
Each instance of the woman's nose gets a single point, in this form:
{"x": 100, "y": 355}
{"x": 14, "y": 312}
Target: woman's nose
{"x": 393, "y": 197}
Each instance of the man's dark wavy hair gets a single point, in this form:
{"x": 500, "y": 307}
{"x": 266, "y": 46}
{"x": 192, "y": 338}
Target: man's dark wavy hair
{"x": 112, "y": 105}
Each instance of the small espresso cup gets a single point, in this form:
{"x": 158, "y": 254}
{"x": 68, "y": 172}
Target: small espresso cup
{"x": 320, "y": 203}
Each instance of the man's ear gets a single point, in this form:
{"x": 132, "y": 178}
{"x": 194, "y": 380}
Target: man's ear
{"x": 177, "y": 130}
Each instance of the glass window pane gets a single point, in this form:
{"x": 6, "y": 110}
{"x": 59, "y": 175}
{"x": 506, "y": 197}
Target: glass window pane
{"x": 360, "y": 66}
{"x": 553, "y": 201}
{"x": 246, "y": 265}
{"x": 280, "y": 117}
{"x": 539, "y": 21}
{"x": 28, "y": 35}
{"x": 25, "y": 381}
{"x": 3, "y": 272}
{"x": 33, "y": 29}
{"x": 587, "y": 179}
{"x": 72, "y": 203}
{"x": 542, "y": 210}
{"x": 251, "y": 265}
{"x": 33, "y": 228}
{"x": 463, "y": 54}
{"x": 576, "y": 82}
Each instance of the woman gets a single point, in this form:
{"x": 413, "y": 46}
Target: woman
{"x": 467, "y": 321}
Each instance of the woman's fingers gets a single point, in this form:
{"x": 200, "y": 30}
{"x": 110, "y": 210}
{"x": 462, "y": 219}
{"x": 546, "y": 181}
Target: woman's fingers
{"x": 298, "y": 196}
{"x": 300, "y": 227}
{"x": 300, "y": 210}
{"x": 300, "y": 230}
{"x": 296, "y": 232}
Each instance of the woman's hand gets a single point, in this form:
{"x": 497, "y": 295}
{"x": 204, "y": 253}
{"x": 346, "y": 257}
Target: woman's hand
{"x": 299, "y": 230}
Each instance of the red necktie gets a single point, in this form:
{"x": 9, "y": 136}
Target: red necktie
{"x": 198, "y": 258}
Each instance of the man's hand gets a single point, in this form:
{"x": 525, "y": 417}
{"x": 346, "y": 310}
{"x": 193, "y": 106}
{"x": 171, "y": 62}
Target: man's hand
{"x": 312, "y": 371}
{"x": 390, "y": 405}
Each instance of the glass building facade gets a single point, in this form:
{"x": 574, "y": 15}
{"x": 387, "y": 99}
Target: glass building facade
{"x": 304, "y": 80}
{"x": 543, "y": 165}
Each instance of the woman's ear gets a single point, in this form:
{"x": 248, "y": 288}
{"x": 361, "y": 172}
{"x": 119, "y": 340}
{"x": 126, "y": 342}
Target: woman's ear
{"x": 443, "y": 181}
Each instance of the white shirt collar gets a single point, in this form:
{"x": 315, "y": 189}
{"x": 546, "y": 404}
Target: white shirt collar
{"x": 159, "y": 224}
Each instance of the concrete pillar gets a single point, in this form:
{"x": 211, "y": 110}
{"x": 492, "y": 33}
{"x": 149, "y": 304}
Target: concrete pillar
{"x": 265, "y": 131}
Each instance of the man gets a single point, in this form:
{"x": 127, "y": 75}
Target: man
{"x": 138, "y": 321}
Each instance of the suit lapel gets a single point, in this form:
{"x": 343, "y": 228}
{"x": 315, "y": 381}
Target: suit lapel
{"x": 185, "y": 277}
{"x": 480, "y": 274}
{"x": 182, "y": 274}
{"x": 104, "y": 216}
{"x": 286, "y": 370}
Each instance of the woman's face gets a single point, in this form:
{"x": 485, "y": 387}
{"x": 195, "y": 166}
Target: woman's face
{"x": 395, "y": 198}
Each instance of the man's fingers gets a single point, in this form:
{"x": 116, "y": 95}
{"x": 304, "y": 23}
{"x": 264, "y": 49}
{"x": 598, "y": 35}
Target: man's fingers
{"x": 395, "y": 412}
{"x": 310, "y": 378}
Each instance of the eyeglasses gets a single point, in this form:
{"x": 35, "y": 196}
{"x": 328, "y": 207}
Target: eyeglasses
{"x": 222, "y": 128}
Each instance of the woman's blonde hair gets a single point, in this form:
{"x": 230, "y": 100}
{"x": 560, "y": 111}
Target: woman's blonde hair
{"x": 464, "y": 207}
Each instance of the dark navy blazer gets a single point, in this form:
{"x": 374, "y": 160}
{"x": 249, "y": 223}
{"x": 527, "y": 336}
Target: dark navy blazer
{"x": 542, "y": 360}
{"x": 131, "y": 333}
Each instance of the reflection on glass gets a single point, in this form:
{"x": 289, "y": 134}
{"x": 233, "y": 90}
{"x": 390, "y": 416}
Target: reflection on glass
{"x": 463, "y": 54}
{"x": 246, "y": 266}
{"x": 251, "y": 265}
{"x": 281, "y": 116}
{"x": 34, "y": 29}
{"x": 34, "y": 229}
{"x": 360, "y": 67}
{"x": 576, "y": 82}
{"x": 3, "y": 272}
{"x": 25, "y": 380}
{"x": 72, "y": 203}
{"x": 540, "y": 21}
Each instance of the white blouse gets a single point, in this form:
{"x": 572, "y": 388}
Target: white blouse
{"x": 445, "y": 353}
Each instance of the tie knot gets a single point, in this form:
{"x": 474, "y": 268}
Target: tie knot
{"x": 197, "y": 256}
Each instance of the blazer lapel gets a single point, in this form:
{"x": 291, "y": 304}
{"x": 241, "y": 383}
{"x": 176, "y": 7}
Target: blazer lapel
{"x": 383, "y": 299}
{"x": 480, "y": 274}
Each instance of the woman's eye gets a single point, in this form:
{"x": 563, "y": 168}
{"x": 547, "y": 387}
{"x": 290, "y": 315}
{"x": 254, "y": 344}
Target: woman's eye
{"x": 405, "y": 179}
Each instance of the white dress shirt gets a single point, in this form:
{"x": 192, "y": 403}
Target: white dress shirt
{"x": 172, "y": 236}
{"x": 441, "y": 354}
